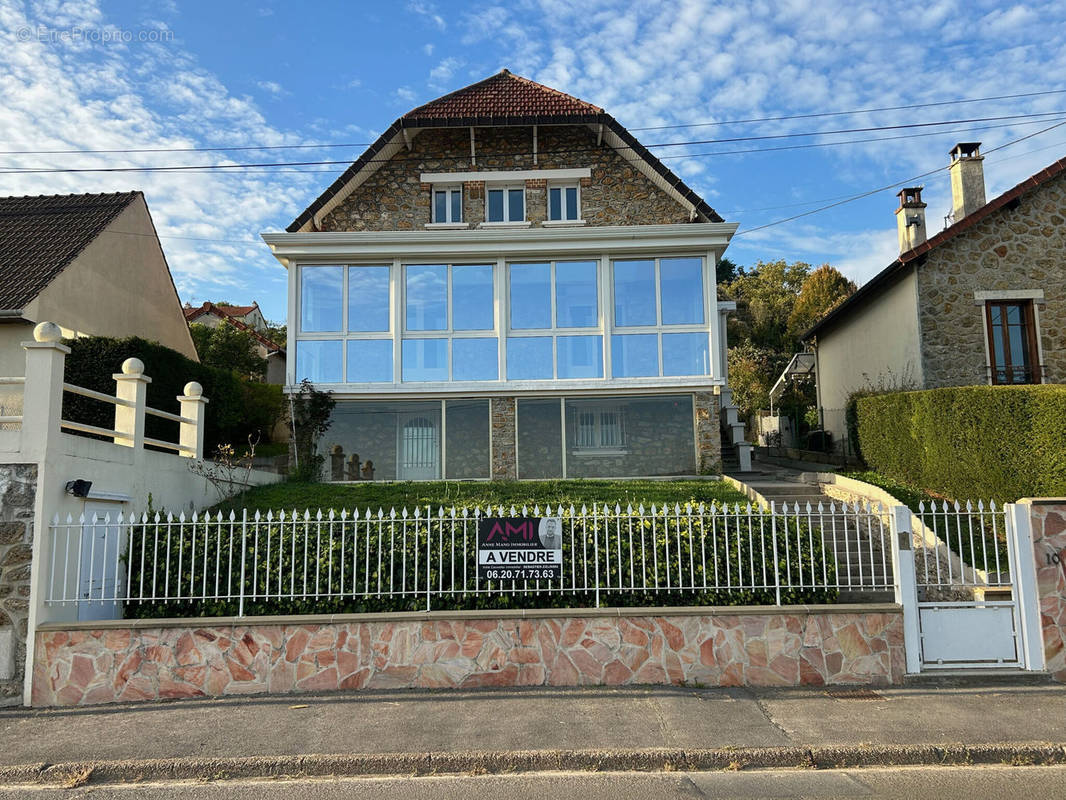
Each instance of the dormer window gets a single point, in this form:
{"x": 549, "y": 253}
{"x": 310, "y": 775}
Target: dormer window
{"x": 506, "y": 204}
{"x": 563, "y": 203}
{"x": 447, "y": 204}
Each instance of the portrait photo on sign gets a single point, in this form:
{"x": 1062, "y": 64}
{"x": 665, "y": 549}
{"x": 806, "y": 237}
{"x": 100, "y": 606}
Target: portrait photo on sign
{"x": 551, "y": 534}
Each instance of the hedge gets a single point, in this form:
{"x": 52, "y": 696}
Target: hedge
{"x": 236, "y": 408}
{"x": 970, "y": 442}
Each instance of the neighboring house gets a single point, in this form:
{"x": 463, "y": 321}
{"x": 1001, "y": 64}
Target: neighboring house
{"x": 243, "y": 318}
{"x": 92, "y": 264}
{"x": 981, "y": 302}
{"x": 507, "y": 284}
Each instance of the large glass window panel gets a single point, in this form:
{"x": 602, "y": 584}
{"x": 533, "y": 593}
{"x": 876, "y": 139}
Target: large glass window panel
{"x": 681, "y": 286}
{"x": 369, "y": 361}
{"x": 531, "y": 299}
{"x": 472, "y": 298}
{"x": 614, "y": 437}
{"x": 425, "y": 360}
{"x": 685, "y": 354}
{"x": 475, "y": 359}
{"x": 529, "y": 358}
{"x": 319, "y": 361}
{"x": 634, "y": 355}
{"x": 634, "y": 293}
{"x": 580, "y": 356}
{"x": 321, "y": 298}
{"x": 368, "y": 298}
{"x": 427, "y": 297}
{"x": 467, "y": 438}
{"x": 495, "y": 205}
{"x": 576, "y": 294}
{"x": 540, "y": 439}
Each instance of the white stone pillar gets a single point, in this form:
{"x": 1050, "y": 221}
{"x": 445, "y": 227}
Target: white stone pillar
{"x": 906, "y": 584}
{"x": 42, "y": 403}
{"x": 131, "y": 388}
{"x": 193, "y": 408}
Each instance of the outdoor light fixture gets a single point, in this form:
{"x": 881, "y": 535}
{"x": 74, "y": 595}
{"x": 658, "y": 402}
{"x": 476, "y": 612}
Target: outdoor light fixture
{"x": 79, "y": 488}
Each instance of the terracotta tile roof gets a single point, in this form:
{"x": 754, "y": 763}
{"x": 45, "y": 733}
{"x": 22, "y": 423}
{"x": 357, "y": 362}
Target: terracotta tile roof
{"x": 888, "y": 275}
{"x": 208, "y": 307}
{"x": 503, "y": 99}
{"x": 40, "y": 235}
{"x": 501, "y": 96}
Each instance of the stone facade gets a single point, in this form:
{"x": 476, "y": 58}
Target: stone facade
{"x": 502, "y": 421}
{"x": 393, "y": 198}
{"x": 708, "y": 434}
{"x": 756, "y": 647}
{"x": 18, "y": 490}
{"x": 1014, "y": 248}
{"x": 1049, "y": 544}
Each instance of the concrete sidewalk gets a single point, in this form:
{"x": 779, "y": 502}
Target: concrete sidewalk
{"x": 478, "y": 729}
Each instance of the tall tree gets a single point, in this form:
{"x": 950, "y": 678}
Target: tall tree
{"x": 226, "y": 347}
{"x": 766, "y": 295}
{"x": 821, "y": 292}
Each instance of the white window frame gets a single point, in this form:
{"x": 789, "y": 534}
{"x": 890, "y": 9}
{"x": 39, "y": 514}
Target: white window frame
{"x": 506, "y": 221}
{"x": 554, "y": 331}
{"x": 598, "y": 447}
{"x": 561, "y": 188}
{"x": 448, "y": 221}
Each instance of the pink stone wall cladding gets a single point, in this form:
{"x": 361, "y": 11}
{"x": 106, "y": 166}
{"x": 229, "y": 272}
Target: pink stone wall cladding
{"x": 1049, "y": 538}
{"x": 99, "y": 666}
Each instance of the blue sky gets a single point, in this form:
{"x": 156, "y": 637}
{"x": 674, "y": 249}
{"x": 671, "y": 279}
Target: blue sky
{"x": 227, "y": 74}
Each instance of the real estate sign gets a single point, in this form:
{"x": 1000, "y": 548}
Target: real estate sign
{"x": 520, "y": 548}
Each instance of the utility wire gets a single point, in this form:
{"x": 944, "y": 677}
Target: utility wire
{"x": 332, "y": 145}
{"x": 853, "y": 198}
{"x": 185, "y": 168}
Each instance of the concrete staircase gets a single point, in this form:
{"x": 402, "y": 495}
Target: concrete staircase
{"x": 865, "y": 556}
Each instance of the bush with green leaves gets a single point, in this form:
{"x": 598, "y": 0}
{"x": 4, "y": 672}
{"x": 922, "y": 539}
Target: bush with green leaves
{"x": 296, "y": 563}
{"x": 969, "y": 443}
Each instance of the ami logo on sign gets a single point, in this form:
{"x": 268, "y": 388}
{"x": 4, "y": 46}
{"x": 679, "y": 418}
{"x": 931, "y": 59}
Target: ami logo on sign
{"x": 503, "y": 530}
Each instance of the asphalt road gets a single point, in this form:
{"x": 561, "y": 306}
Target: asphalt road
{"x": 943, "y": 783}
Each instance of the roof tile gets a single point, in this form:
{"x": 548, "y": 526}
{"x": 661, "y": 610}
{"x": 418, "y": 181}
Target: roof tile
{"x": 502, "y": 96}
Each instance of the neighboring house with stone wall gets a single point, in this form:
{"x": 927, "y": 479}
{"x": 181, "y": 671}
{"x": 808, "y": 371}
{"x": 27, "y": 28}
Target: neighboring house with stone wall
{"x": 92, "y": 264}
{"x": 981, "y": 302}
{"x": 508, "y": 285}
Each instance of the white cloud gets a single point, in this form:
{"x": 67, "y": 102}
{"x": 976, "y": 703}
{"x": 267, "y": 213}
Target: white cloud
{"x": 441, "y": 74}
{"x": 427, "y": 10}
{"x": 428, "y": 48}
{"x": 404, "y": 94}
{"x": 271, "y": 87}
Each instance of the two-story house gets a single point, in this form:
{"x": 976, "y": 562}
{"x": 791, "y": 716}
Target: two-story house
{"x": 507, "y": 284}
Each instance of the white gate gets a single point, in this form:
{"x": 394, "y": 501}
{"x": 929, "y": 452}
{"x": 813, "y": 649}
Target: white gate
{"x": 969, "y": 612}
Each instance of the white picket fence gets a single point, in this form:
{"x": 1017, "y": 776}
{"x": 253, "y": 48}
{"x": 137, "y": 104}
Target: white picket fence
{"x": 430, "y": 558}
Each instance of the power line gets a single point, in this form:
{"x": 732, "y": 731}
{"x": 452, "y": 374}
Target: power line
{"x": 889, "y": 186}
{"x": 847, "y": 113}
{"x": 570, "y": 151}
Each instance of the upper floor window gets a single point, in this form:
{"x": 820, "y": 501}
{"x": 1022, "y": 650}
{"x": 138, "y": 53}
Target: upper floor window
{"x": 321, "y": 299}
{"x": 664, "y": 291}
{"x": 505, "y": 204}
{"x": 563, "y": 203}
{"x": 447, "y": 204}
{"x": 1012, "y": 342}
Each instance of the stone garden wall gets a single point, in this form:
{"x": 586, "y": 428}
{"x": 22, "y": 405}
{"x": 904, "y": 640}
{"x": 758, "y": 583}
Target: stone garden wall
{"x": 1019, "y": 248}
{"x": 737, "y": 646}
{"x": 394, "y": 198}
{"x": 18, "y": 490}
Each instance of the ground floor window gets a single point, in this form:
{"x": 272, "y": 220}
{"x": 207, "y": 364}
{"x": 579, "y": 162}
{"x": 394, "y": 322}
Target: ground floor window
{"x": 1012, "y": 342}
{"x": 609, "y": 437}
{"x": 407, "y": 440}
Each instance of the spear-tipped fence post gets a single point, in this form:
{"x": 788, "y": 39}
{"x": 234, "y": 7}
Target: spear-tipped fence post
{"x": 244, "y": 552}
{"x": 777, "y": 567}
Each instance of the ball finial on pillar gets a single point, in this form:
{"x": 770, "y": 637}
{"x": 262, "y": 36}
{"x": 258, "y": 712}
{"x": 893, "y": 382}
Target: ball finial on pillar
{"x": 47, "y": 333}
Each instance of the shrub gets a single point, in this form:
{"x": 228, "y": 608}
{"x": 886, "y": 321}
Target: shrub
{"x": 236, "y": 408}
{"x": 970, "y": 442}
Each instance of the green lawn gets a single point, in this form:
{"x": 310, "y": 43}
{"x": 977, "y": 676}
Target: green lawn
{"x": 300, "y": 496}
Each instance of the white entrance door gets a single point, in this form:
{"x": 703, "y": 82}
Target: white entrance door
{"x": 102, "y": 575}
{"x": 418, "y": 449}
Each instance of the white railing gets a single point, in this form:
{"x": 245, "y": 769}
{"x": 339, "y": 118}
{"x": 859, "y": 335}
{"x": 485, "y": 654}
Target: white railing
{"x": 291, "y": 562}
{"x": 11, "y": 402}
{"x": 962, "y": 545}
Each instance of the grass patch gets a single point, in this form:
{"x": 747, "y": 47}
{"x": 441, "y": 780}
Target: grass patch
{"x": 313, "y": 496}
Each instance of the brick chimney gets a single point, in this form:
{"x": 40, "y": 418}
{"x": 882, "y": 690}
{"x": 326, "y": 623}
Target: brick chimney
{"x": 967, "y": 179}
{"x": 910, "y": 218}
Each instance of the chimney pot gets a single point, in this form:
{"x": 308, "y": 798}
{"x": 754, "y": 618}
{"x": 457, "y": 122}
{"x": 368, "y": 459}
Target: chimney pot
{"x": 967, "y": 179}
{"x": 910, "y": 218}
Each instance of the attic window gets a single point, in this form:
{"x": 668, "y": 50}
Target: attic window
{"x": 447, "y": 204}
{"x": 506, "y": 204}
{"x": 564, "y": 203}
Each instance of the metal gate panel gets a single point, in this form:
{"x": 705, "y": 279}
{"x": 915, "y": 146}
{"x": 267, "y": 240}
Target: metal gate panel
{"x": 969, "y": 634}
